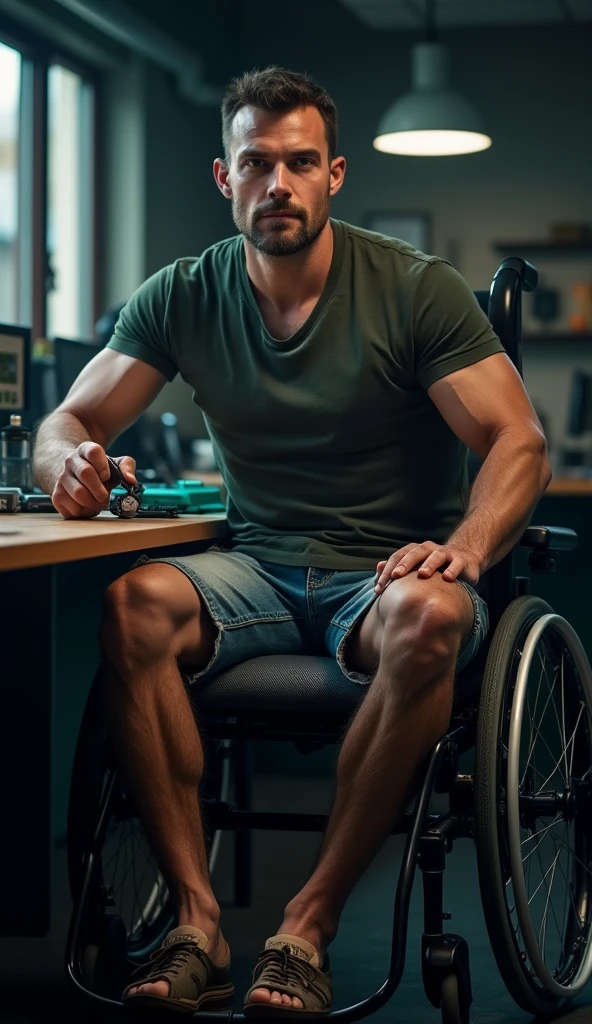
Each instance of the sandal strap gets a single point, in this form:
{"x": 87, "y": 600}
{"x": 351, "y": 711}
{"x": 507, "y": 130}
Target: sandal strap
{"x": 171, "y": 963}
{"x": 281, "y": 971}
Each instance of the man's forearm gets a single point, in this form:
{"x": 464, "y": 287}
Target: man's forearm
{"x": 506, "y": 490}
{"x": 58, "y": 435}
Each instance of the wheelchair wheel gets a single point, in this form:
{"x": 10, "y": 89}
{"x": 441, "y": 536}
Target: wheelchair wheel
{"x": 533, "y": 804}
{"x": 128, "y": 909}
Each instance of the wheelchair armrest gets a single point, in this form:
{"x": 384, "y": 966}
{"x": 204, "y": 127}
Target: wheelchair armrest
{"x": 549, "y": 538}
{"x": 543, "y": 542}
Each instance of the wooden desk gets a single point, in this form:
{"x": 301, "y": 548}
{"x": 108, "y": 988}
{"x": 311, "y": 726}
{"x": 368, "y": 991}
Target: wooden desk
{"x": 53, "y": 573}
{"x": 568, "y": 487}
{"x": 36, "y": 539}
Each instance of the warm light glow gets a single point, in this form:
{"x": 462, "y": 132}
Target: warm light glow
{"x": 432, "y": 143}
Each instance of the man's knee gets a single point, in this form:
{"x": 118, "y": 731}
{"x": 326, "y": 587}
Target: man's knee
{"x": 150, "y": 613}
{"x": 425, "y": 625}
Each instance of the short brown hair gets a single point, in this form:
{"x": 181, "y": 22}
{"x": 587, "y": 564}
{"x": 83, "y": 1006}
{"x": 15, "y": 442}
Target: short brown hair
{"x": 278, "y": 90}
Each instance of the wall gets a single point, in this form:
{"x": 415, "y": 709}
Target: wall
{"x": 533, "y": 86}
{"x": 185, "y": 212}
{"x": 160, "y": 197}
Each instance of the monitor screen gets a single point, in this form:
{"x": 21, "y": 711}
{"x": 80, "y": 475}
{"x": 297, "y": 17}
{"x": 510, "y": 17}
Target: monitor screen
{"x": 71, "y": 356}
{"x": 14, "y": 364}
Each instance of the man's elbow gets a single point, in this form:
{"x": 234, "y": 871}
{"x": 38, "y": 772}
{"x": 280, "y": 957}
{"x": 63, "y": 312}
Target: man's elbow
{"x": 545, "y": 471}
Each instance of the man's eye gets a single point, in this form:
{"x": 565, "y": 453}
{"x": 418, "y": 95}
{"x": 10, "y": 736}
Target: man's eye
{"x": 304, "y": 159}
{"x": 254, "y": 161}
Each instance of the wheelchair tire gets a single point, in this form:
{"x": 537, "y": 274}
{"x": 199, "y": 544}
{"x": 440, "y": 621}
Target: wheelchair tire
{"x": 124, "y": 860}
{"x": 512, "y": 796}
{"x": 96, "y": 782}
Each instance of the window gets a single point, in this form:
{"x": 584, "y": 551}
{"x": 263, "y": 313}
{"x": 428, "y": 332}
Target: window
{"x": 47, "y": 189}
{"x": 10, "y": 76}
{"x": 69, "y": 204}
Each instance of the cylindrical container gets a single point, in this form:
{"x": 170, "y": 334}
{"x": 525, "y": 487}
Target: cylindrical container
{"x": 16, "y": 468}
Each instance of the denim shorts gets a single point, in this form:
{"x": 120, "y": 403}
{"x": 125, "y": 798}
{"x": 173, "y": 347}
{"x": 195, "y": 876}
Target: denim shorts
{"x": 267, "y": 608}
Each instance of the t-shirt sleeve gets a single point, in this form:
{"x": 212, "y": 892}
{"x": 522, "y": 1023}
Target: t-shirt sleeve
{"x": 142, "y": 330}
{"x": 450, "y": 330}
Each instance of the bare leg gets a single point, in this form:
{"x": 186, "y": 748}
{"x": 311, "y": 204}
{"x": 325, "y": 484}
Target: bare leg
{"x": 154, "y": 623}
{"x": 413, "y": 632}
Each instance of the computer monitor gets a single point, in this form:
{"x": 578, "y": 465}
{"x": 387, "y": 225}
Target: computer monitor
{"x": 71, "y": 356}
{"x": 579, "y": 417}
{"x": 15, "y": 344}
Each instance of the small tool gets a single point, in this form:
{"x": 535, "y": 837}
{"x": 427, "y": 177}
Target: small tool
{"x": 126, "y": 506}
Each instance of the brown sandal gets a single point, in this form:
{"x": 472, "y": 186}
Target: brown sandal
{"x": 287, "y": 965}
{"x": 194, "y": 980}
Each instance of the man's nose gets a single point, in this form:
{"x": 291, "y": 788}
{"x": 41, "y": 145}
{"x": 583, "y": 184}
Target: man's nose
{"x": 279, "y": 186}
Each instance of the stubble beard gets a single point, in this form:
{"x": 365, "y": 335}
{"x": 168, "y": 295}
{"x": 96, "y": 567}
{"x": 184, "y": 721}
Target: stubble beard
{"x": 277, "y": 241}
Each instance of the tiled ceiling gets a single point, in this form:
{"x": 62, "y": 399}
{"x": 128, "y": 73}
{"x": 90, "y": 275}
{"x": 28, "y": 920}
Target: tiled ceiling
{"x": 410, "y": 14}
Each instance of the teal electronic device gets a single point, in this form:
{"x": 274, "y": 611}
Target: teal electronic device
{"x": 189, "y": 496}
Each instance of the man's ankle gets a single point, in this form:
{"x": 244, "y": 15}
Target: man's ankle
{"x": 201, "y": 912}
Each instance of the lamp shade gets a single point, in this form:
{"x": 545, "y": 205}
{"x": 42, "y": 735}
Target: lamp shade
{"x": 431, "y": 120}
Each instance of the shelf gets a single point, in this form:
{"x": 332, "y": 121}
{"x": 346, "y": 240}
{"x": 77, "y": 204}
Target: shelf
{"x": 543, "y": 248}
{"x": 560, "y": 337}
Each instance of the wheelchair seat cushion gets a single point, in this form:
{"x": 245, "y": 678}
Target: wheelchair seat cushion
{"x": 281, "y": 683}
{"x": 194, "y": 980}
{"x": 290, "y": 965}
{"x": 300, "y": 684}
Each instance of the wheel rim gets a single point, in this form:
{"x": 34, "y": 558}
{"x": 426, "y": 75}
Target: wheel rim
{"x": 132, "y": 880}
{"x": 133, "y": 884}
{"x": 548, "y": 783}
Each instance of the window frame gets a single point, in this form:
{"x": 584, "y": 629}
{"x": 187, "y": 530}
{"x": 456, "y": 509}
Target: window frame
{"x": 37, "y": 56}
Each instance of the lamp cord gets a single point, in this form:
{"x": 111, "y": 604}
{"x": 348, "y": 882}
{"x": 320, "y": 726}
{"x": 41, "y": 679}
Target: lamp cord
{"x": 430, "y": 21}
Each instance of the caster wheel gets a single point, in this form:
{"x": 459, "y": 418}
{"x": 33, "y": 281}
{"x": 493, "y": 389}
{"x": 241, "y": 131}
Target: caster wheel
{"x": 104, "y": 963}
{"x": 451, "y": 1002}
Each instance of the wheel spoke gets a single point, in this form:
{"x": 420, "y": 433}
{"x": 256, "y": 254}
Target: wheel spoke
{"x": 542, "y": 881}
{"x": 553, "y": 866}
{"x": 568, "y": 886}
{"x": 543, "y": 927}
{"x": 541, "y": 832}
{"x": 573, "y": 738}
{"x": 531, "y": 748}
{"x": 578, "y": 859}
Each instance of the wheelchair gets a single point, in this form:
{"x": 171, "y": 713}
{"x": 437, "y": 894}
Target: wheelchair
{"x": 522, "y": 712}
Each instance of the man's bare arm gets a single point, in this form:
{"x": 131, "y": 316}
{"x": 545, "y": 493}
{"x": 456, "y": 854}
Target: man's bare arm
{"x": 487, "y": 407}
{"x": 69, "y": 457}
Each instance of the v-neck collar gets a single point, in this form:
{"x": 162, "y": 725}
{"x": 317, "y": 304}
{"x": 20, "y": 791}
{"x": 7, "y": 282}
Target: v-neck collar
{"x": 318, "y": 309}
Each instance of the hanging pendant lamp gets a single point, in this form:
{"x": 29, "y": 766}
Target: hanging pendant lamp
{"x": 431, "y": 120}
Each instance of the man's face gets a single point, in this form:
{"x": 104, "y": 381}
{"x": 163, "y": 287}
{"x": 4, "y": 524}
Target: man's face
{"x": 280, "y": 178}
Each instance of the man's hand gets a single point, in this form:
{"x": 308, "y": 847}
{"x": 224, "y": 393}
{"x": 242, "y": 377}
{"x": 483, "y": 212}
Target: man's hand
{"x": 429, "y": 557}
{"x": 83, "y": 487}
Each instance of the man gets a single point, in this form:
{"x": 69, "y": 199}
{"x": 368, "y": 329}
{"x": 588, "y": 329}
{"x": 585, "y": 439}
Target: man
{"x": 342, "y": 377}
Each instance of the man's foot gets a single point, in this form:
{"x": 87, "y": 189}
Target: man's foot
{"x": 289, "y": 977}
{"x": 188, "y": 972}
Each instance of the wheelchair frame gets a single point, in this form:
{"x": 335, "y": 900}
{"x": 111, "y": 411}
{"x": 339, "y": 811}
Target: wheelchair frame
{"x": 429, "y": 836}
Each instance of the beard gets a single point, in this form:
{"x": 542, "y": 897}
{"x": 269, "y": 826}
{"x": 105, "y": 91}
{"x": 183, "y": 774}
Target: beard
{"x": 276, "y": 239}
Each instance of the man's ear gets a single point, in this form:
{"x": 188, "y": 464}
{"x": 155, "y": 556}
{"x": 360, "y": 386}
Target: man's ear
{"x": 221, "y": 172}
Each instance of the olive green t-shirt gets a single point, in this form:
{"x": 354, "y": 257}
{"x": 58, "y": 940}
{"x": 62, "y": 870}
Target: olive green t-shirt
{"x": 331, "y": 450}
